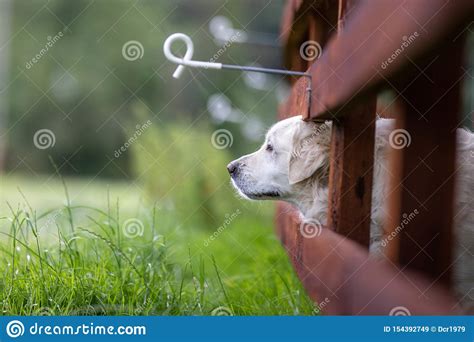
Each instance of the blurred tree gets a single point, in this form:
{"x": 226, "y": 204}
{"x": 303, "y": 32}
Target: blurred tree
{"x": 83, "y": 88}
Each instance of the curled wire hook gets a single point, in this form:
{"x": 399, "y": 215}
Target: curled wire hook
{"x": 187, "y": 61}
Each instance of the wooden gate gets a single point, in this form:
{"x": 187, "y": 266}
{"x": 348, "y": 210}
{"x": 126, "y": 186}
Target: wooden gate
{"x": 415, "y": 49}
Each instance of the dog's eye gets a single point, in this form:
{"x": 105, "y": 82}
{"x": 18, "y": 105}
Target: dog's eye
{"x": 269, "y": 147}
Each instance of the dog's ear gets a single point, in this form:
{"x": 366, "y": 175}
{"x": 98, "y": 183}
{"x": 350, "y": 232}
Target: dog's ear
{"x": 303, "y": 165}
{"x": 310, "y": 152}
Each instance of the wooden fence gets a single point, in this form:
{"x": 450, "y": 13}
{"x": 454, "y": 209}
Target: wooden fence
{"x": 357, "y": 39}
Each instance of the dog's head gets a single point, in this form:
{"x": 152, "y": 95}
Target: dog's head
{"x": 294, "y": 152}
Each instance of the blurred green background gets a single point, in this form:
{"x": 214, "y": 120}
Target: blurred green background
{"x": 115, "y": 198}
{"x": 92, "y": 99}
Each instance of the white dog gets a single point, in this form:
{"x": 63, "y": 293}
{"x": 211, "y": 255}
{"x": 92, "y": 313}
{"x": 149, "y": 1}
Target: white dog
{"x": 293, "y": 166}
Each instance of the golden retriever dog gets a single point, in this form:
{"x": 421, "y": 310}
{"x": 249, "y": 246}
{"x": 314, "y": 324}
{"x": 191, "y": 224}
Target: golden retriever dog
{"x": 292, "y": 165}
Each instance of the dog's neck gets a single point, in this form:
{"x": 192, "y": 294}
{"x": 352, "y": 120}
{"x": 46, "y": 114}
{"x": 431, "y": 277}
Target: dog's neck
{"x": 311, "y": 197}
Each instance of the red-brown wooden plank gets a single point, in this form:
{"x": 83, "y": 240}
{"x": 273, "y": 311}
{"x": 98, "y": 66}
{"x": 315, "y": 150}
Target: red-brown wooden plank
{"x": 299, "y": 100}
{"x": 306, "y": 24}
{"x": 351, "y": 64}
{"x": 350, "y": 179}
{"x": 287, "y": 224}
{"x": 424, "y": 173}
{"x": 338, "y": 272}
{"x": 303, "y": 21}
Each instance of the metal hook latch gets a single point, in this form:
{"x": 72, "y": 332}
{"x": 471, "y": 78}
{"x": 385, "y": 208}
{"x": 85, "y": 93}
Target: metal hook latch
{"x": 187, "y": 61}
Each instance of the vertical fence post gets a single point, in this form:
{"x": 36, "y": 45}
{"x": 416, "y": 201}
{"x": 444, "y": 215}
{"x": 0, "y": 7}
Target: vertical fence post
{"x": 423, "y": 172}
{"x": 350, "y": 179}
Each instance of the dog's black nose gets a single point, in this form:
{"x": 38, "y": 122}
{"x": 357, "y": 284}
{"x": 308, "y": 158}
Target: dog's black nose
{"x": 232, "y": 168}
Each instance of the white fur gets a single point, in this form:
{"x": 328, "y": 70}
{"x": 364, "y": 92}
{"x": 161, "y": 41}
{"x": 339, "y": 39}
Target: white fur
{"x": 295, "y": 169}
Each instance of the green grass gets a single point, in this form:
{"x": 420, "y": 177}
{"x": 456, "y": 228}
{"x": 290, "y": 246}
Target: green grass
{"x": 137, "y": 259}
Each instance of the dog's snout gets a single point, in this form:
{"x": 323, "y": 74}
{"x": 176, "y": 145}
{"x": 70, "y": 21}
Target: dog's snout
{"x": 232, "y": 167}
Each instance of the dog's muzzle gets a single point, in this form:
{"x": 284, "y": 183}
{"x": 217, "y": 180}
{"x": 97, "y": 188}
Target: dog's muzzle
{"x": 233, "y": 168}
